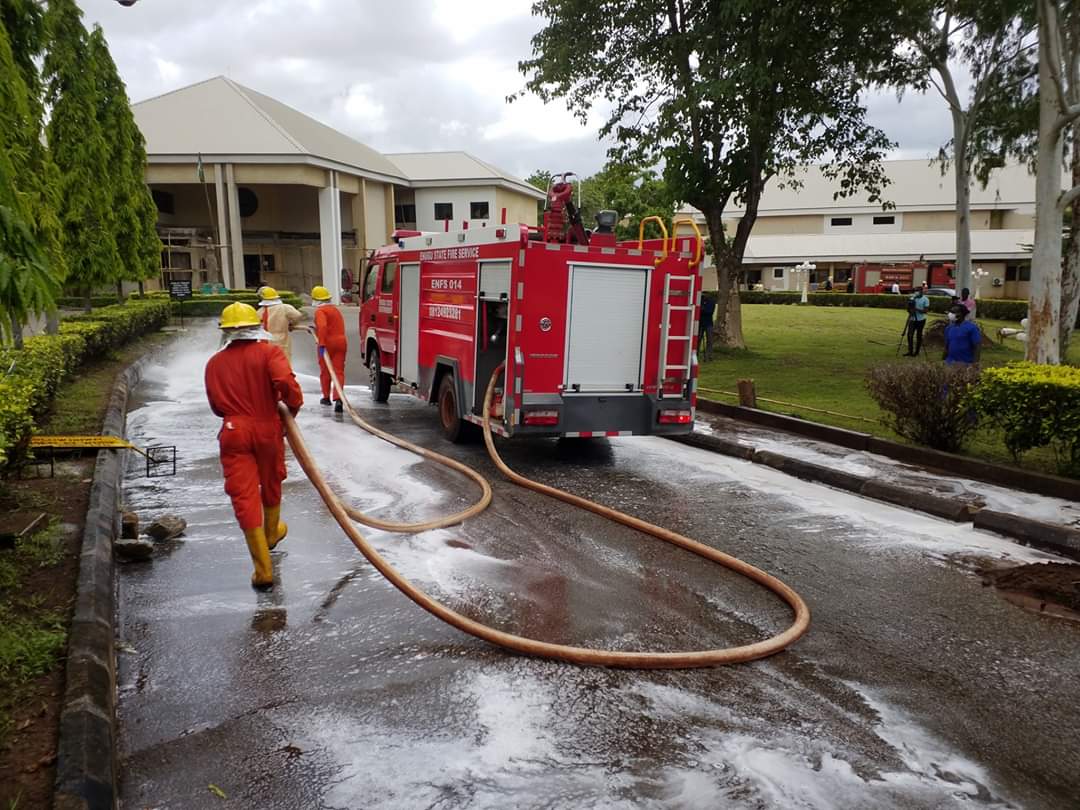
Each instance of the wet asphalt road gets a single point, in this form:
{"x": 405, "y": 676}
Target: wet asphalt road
{"x": 916, "y": 687}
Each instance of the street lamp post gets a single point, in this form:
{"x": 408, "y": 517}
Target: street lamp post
{"x": 805, "y": 269}
{"x": 979, "y": 275}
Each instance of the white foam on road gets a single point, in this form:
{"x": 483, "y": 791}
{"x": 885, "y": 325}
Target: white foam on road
{"x": 856, "y": 462}
{"x": 884, "y": 525}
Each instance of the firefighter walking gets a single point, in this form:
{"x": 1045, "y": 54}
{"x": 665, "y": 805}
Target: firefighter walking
{"x": 279, "y": 319}
{"x": 244, "y": 382}
{"x": 332, "y": 344}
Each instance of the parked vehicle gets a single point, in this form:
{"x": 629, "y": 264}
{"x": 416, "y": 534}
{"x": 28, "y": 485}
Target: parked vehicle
{"x": 596, "y": 337}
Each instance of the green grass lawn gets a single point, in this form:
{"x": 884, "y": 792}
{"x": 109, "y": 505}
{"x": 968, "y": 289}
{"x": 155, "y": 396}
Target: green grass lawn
{"x": 819, "y": 356}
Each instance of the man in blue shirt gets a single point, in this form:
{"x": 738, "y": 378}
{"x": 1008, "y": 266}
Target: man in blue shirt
{"x": 918, "y": 304}
{"x": 962, "y": 338}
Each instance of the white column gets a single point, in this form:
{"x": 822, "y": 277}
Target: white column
{"x": 222, "y": 227}
{"x": 236, "y": 237}
{"x": 330, "y": 236}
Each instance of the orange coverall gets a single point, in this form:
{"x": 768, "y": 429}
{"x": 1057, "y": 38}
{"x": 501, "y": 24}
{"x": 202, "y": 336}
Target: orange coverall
{"x": 330, "y": 334}
{"x": 244, "y": 382}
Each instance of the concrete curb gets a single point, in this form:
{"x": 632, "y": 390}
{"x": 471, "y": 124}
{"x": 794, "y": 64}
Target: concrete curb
{"x": 1013, "y": 477}
{"x": 86, "y": 751}
{"x": 1046, "y": 536}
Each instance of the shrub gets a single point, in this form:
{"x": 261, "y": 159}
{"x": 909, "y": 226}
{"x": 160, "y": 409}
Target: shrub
{"x": 926, "y": 402}
{"x": 1036, "y": 406}
{"x": 29, "y": 377}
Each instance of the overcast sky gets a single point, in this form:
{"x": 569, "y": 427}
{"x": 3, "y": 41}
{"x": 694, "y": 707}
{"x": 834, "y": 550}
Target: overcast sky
{"x": 408, "y": 75}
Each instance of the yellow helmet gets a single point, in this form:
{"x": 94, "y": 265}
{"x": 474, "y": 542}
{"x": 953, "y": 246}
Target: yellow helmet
{"x": 266, "y": 293}
{"x": 320, "y": 294}
{"x": 238, "y": 315}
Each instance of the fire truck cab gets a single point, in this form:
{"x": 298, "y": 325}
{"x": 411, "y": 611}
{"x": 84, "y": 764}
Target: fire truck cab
{"x": 596, "y": 338}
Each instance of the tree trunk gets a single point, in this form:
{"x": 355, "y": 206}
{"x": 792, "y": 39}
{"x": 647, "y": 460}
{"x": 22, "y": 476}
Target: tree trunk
{"x": 119, "y": 292}
{"x": 16, "y": 332}
{"x": 52, "y": 322}
{"x": 1070, "y": 279}
{"x": 727, "y": 326}
{"x": 1045, "y": 295}
{"x": 88, "y": 303}
{"x": 962, "y": 170}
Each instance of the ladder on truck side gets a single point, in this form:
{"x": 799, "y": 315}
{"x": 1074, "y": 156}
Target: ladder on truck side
{"x": 667, "y": 339}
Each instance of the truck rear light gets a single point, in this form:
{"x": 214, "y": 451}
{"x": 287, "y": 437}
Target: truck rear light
{"x": 675, "y": 417}
{"x": 541, "y": 417}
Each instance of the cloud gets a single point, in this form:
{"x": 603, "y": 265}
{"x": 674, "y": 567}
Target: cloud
{"x": 407, "y": 75}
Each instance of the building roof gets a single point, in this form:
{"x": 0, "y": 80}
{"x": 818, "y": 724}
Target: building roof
{"x": 916, "y": 185}
{"x": 440, "y": 169}
{"x": 986, "y": 245}
{"x": 221, "y": 119}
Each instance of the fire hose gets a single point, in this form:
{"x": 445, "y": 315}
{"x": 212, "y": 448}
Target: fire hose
{"x": 528, "y": 646}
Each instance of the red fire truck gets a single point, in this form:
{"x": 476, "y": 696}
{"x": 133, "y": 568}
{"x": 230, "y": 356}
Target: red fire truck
{"x": 879, "y": 278}
{"x": 597, "y": 337}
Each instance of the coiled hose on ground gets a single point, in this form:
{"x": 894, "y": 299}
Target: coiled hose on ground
{"x": 560, "y": 652}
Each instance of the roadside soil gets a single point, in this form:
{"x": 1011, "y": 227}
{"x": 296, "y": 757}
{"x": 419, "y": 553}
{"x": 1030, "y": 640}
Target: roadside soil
{"x": 1051, "y": 588}
{"x": 41, "y": 575}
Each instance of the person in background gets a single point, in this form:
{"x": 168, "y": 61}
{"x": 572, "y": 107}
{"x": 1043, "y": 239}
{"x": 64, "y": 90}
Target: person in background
{"x": 895, "y": 290}
{"x": 828, "y": 285}
{"x": 330, "y": 335}
{"x": 279, "y": 319}
{"x": 245, "y": 381}
{"x": 851, "y": 284}
{"x": 917, "y": 309}
{"x": 962, "y": 338}
{"x": 705, "y": 324}
{"x": 968, "y": 303}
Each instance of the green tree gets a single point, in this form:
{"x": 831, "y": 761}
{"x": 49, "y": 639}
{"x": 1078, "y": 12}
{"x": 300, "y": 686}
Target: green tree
{"x": 135, "y": 218}
{"x": 1059, "y": 112}
{"x": 991, "y": 43}
{"x": 726, "y": 94}
{"x": 28, "y": 279}
{"x": 80, "y": 151}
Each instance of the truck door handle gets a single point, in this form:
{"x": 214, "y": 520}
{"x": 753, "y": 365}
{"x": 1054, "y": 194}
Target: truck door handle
{"x": 372, "y": 318}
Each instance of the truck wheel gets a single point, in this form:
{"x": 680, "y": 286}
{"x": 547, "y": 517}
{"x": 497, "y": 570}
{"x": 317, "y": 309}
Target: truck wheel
{"x": 378, "y": 381}
{"x": 454, "y": 428}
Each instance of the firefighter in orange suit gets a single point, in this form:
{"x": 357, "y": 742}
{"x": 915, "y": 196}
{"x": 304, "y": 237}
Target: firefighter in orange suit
{"x": 330, "y": 334}
{"x": 244, "y": 383}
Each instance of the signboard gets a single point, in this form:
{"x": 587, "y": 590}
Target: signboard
{"x": 180, "y": 289}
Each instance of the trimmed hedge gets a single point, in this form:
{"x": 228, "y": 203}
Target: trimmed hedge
{"x": 32, "y": 375}
{"x": 1035, "y": 406}
{"x": 993, "y": 308}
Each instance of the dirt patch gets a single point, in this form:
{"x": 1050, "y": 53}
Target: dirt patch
{"x": 1052, "y": 588}
{"x": 31, "y": 709}
{"x": 934, "y": 335}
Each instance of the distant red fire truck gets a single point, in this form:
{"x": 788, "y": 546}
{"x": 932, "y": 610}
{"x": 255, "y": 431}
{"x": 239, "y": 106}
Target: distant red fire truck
{"x": 879, "y": 278}
{"x": 597, "y": 337}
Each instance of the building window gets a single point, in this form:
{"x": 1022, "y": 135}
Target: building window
{"x": 389, "y": 276}
{"x": 247, "y": 202}
{"x": 882, "y": 220}
{"x": 835, "y": 221}
{"x": 405, "y": 213}
{"x": 444, "y": 211}
{"x": 478, "y": 210}
{"x": 778, "y": 272}
{"x": 1018, "y": 272}
{"x": 164, "y": 200}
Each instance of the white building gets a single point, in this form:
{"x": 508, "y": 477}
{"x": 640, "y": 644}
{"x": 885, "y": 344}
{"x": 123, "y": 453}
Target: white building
{"x": 285, "y": 200}
{"x": 806, "y": 223}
